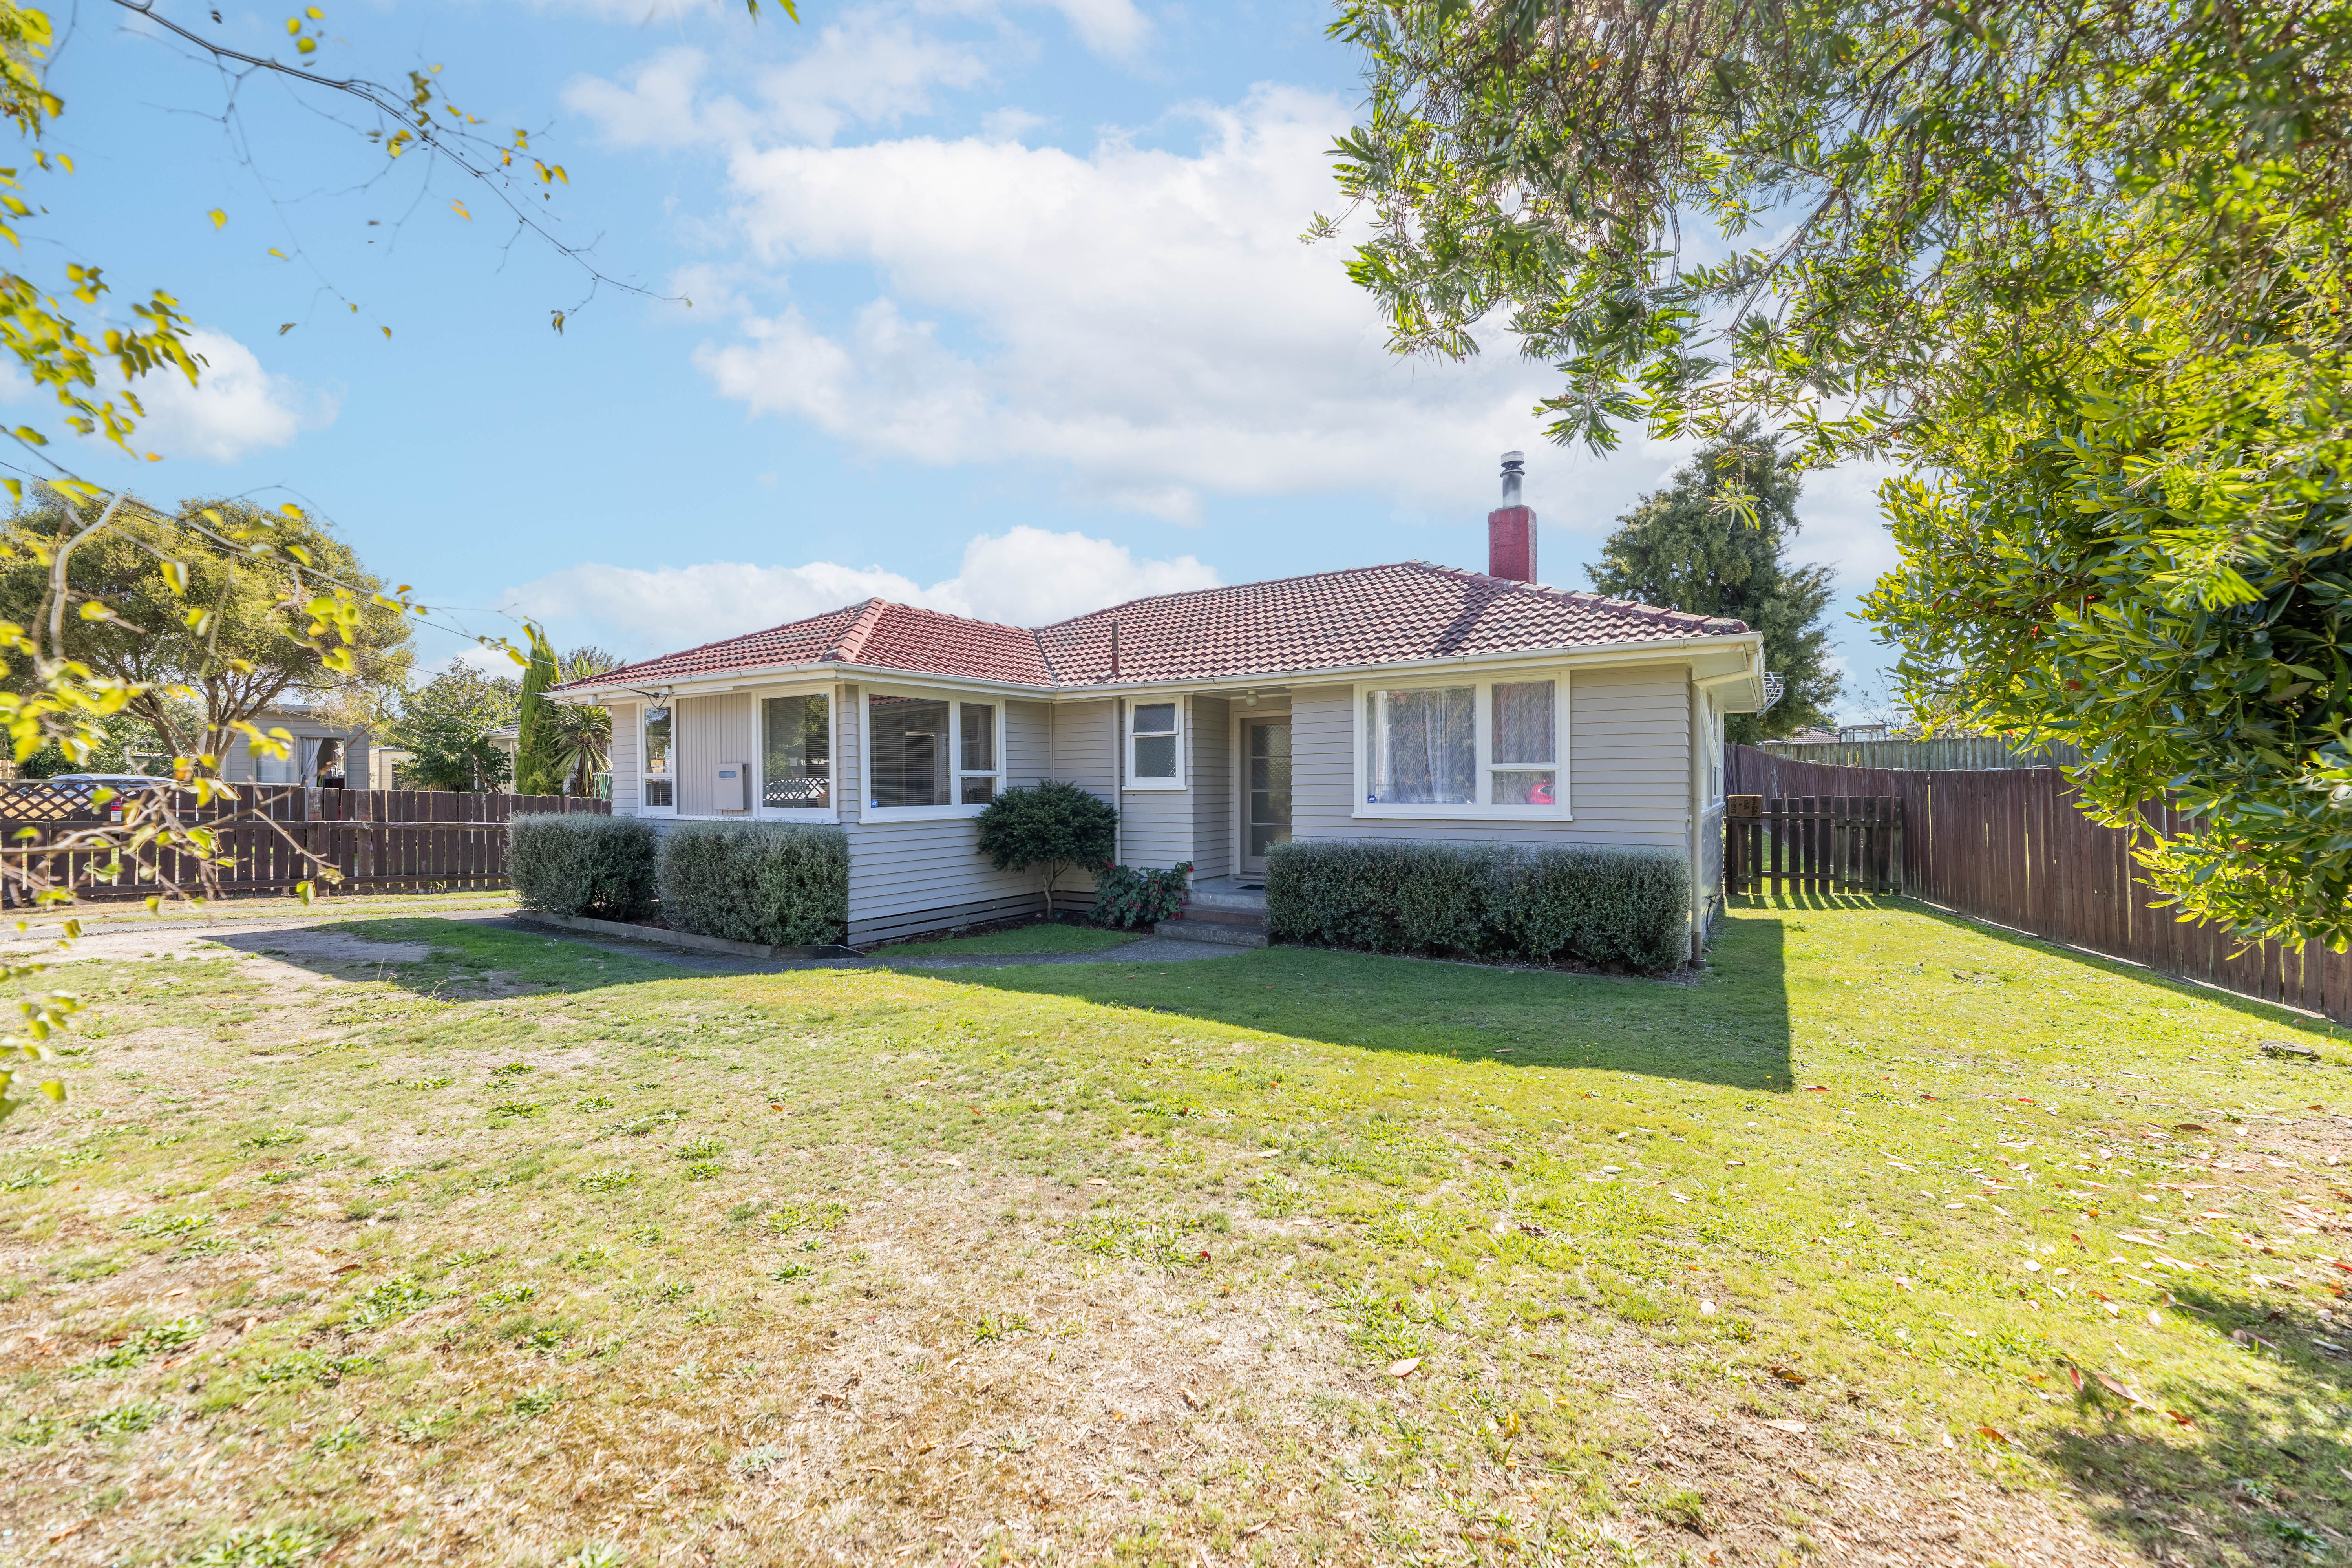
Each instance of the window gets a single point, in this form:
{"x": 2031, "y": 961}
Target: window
{"x": 796, "y": 754}
{"x": 660, "y": 777}
{"x": 1420, "y": 746}
{"x": 1475, "y": 748}
{"x": 926, "y": 752}
{"x": 976, "y": 757}
{"x": 1525, "y": 767}
{"x": 1153, "y": 752}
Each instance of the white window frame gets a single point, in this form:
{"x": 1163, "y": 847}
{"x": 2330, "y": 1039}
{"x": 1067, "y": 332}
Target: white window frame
{"x": 644, "y": 709}
{"x": 957, "y": 702}
{"x": 760, "y": 809}
{"x": 1183, "y": 706}
{"x": 1484, "y": 683}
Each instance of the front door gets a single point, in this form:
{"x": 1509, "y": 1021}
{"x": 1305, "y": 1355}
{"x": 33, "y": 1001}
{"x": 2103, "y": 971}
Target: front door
{"x": 1266, "y": 809}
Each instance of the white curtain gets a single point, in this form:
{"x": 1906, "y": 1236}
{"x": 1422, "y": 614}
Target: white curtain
{"x": 1423, "y": 745}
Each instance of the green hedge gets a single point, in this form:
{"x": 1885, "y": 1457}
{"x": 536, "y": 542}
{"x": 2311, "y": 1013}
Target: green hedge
{"x": 580, "y": 865}
{"x": 1626, "y": 909}
{"x": 756, "y": 881}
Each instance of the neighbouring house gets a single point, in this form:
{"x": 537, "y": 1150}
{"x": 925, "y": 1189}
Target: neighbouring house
{"x": 324, "y": 755}
{"x": 1407, "y": 700}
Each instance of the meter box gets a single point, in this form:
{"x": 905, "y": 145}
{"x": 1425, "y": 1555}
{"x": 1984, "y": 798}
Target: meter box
{"x": 734, "y": 792}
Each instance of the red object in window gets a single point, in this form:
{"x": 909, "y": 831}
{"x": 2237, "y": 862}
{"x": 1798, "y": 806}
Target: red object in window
{"x": 1541, "y": 794}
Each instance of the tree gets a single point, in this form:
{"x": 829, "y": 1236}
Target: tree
{"x": 1681, "y": 547}
{"x": 49, "y": 696}
{"x": 2082, "y": 269}
{"x": 581, "y": 736}
{"x": 446, "y": 726}
{"x": 126, "y": 744}
{"x": 534, "y": 762}
{"x": 1050, "y": 828}
{"x": 202, "y": 638}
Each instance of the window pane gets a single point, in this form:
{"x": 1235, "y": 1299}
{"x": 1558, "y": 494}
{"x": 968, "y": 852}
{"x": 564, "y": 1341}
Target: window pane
{"x": 657, "y": 741}
{"x": 1523, "y": 723}
{"x": 978, "y": 739}
{"x": 910, "y": 750}
{"x": 797, "y": 766}
{"x": 657, "y": 792}
{"x": 1263, "y": 838}
{"x": 1155, "y": 757}
{"x": 1155, "y": 718}
{"x": 1420, "y": 746}
{"x": 979, "y": 790}
{"x": 1526, "y": 786}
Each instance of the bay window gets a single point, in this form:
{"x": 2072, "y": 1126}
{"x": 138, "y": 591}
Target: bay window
{"x": 1154, "y": 753}
{"x": 1464, "y": 748}
{"x": 796, "y": 754}
{"x": 658, "y": 776}
{"x": 933, "y": 755}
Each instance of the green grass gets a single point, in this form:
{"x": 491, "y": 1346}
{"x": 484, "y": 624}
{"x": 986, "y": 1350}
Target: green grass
{"x": 1128, "y": 1251}
{"x": 1020, "y": 941}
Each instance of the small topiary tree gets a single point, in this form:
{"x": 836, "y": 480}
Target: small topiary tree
{"x": 1049, "y": 828}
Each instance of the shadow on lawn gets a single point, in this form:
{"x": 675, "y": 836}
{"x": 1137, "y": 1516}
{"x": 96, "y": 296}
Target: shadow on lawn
{"x": 1728, "y": 1025}
{"x": 2262, "y": 1467}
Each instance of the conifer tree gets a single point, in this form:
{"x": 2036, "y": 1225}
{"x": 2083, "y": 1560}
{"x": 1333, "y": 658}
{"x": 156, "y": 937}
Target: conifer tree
{"x": 1685, "y": 547}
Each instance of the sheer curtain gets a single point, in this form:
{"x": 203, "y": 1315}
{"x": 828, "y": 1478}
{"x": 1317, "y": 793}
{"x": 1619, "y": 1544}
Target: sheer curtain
{"x": 1425, "y": 746}
{"x": 1526, "y": 743}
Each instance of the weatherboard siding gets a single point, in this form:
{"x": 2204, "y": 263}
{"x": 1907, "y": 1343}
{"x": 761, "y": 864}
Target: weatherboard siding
{"x": 711, "y": 730}
{"x": 927, "y": 874}
{"x": 1628, "y": 768}
{"x": 623, "y": 758}
{"x": 1212, "y": 731}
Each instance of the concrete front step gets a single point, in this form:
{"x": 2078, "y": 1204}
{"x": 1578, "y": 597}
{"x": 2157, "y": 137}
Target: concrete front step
{"x": 1224, "y": 932}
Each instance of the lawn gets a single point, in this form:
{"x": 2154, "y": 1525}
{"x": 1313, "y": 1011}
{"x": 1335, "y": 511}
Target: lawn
{"x": 1887, "y": 1237}
{"x": 1017, "y": 940}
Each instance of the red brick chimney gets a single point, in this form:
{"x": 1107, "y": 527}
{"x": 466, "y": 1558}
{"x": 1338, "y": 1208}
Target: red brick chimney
{"x": 1511, "y": 528}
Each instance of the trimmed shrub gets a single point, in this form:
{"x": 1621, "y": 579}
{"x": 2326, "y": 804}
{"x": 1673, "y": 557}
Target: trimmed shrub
{"x": 576, "y": 864}
{"x": 1048, "y": 827}
{"x": 1626, "y": 909}
{"x": 1127, "y": 898}
{"x": 769, "y": 882}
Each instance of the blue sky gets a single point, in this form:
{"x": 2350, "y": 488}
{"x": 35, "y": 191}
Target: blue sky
{"x": 996, "y": 307}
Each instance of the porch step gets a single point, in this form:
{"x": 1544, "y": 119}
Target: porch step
{"x": 1224, "y": 932}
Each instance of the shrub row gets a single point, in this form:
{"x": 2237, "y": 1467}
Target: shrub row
{"x": 1626, "y": 909}
{"x": 601, "y": 867}
{"x": 775, "y": 883}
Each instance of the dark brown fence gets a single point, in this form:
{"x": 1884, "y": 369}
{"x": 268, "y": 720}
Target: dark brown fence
{"x": 2010, "y": 846}
{"x": 1816, "y": 844}
{"x": 378, "y": 839}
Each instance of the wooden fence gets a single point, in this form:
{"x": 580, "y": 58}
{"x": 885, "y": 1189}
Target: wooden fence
{"x": 1946, "y": 753}
{"x": 2009, "y": 846}
{"x": 378, "y": 839}
{"x": 1818, "y": 844}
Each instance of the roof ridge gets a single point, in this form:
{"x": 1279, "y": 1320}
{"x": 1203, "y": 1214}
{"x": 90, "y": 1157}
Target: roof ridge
{"x": 852, "y": 641}
{"x": 1225, "y": 588}
{"x": 1654, "y": 611}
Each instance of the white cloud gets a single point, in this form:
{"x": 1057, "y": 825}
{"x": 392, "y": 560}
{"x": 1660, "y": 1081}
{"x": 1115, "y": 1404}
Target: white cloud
{"x": 1024, "y": 576}
{"x": 1112, "y": 28}
{"x": 234, "y": 407}
{"x": 1149, "y": 317}
{"x": 869, "y": 68}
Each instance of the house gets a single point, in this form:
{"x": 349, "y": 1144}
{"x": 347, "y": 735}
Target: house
{"x": 1407, "y": 700}
{"x": 324, "y": 753}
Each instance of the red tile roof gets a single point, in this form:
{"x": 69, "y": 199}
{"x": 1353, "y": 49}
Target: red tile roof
{"x": 1328, "y": 620}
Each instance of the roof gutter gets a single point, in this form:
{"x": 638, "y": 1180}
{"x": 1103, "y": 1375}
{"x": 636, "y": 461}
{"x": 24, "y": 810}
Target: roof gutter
{"x": 1646, "y": 650}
